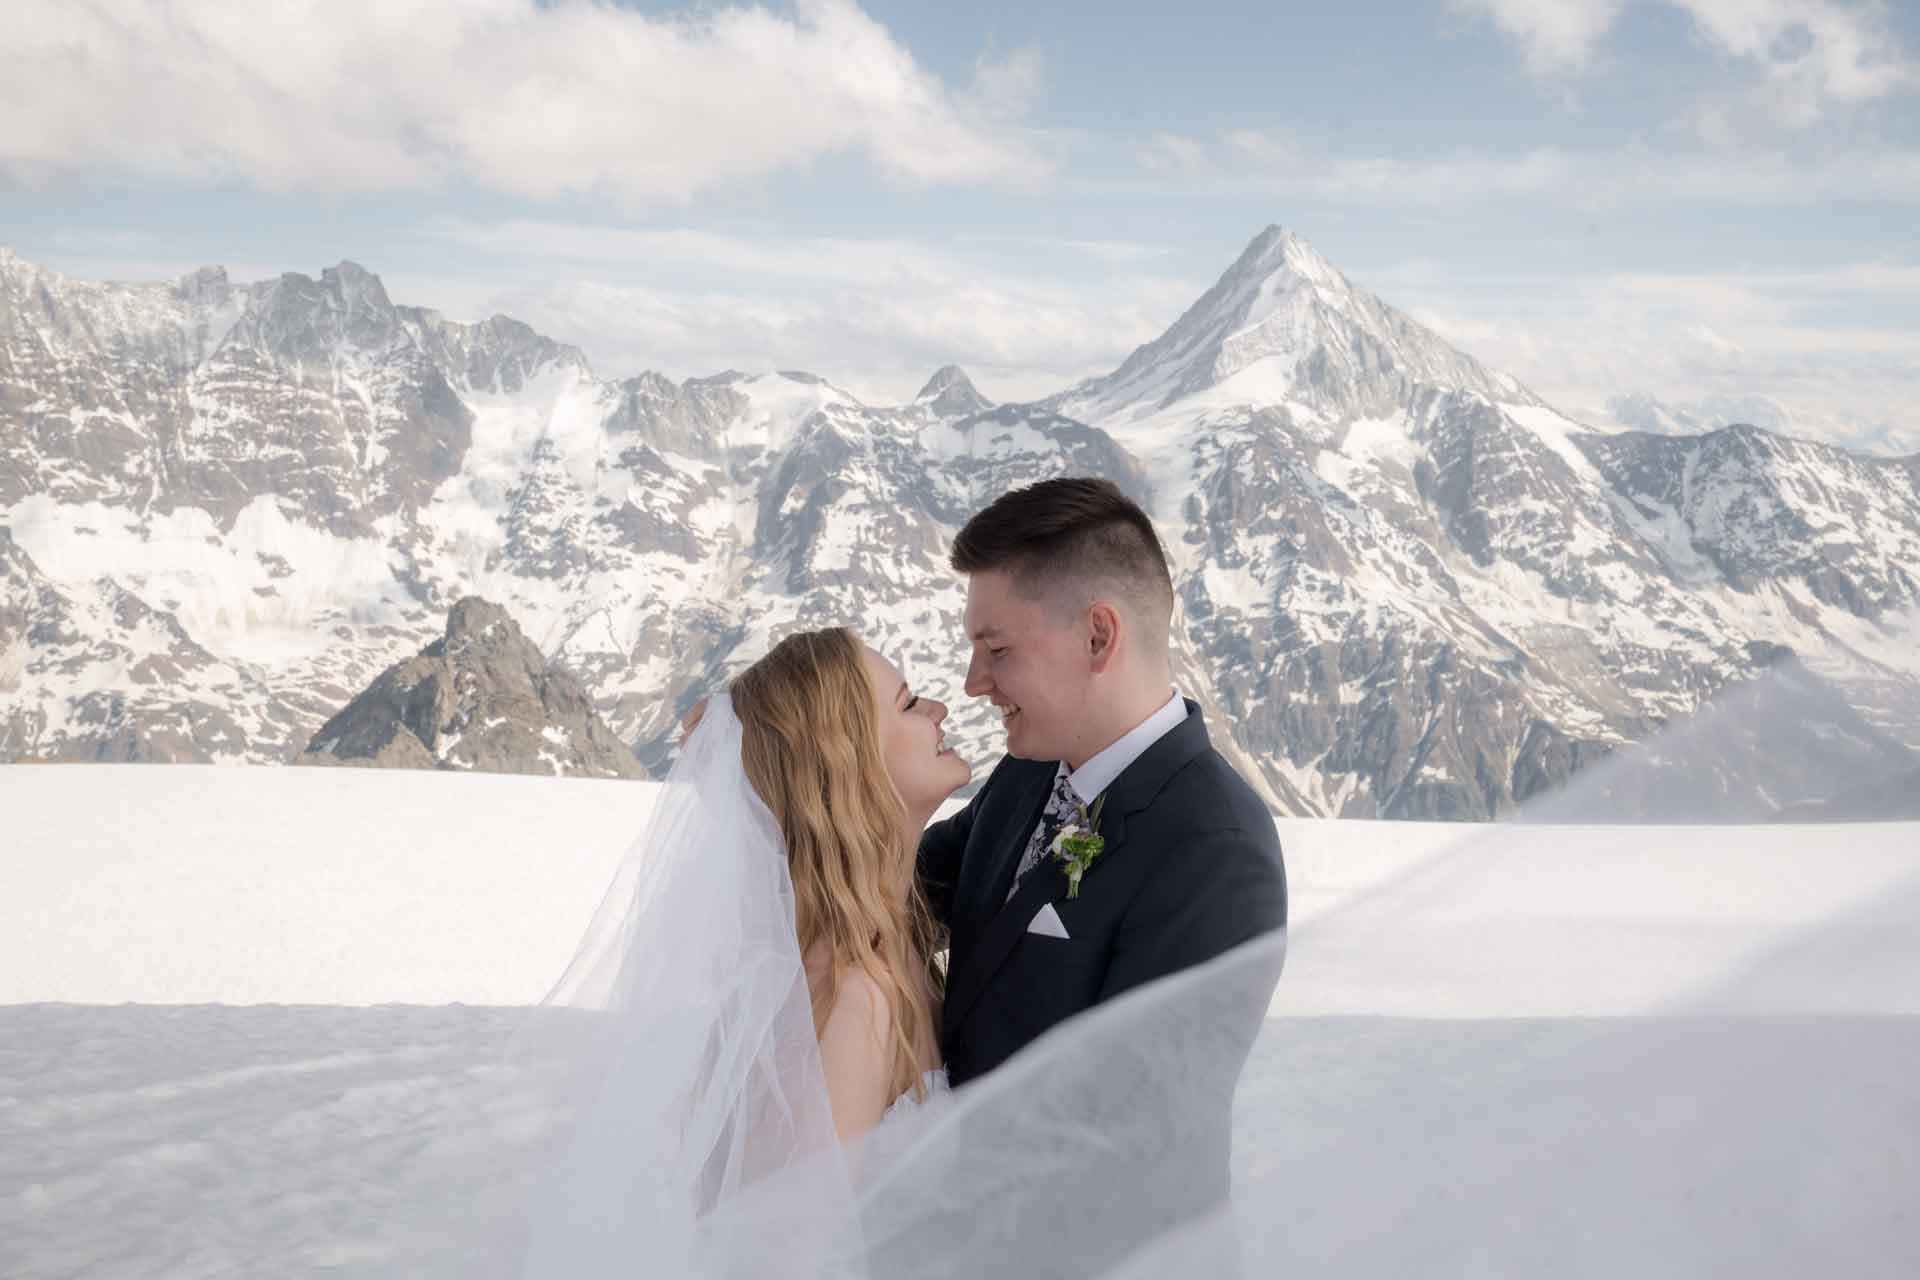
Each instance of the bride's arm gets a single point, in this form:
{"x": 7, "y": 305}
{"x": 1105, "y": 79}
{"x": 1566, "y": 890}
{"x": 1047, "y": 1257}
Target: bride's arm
{"x": 854, "y": 1054}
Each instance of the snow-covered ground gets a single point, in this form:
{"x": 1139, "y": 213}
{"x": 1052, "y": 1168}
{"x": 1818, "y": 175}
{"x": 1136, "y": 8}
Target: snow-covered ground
{"x": 236, "y": 1004}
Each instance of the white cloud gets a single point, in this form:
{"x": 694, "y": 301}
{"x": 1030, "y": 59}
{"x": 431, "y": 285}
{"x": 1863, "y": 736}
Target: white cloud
{"x": 1025, "y": 320}
{"x": 877, "y": 316}
{"x": 1553, "y": 35}
{"x": 1803, "y": 56}
{"x": 1174, "y": 153}
{"x": 1393, "y": 180}
{"x": 1596, "y": 179}
{"x": 1262, "y": 149}
{"x": 1007, "y": 86}
{"x": 1113, "y": 253}
{"x": 532, "y": 100}
{"x": 1831, "y": 51}
{"x": 881, "y": 345}
{"x": 765, "y": 261}
{"x": 1690, "y": 337}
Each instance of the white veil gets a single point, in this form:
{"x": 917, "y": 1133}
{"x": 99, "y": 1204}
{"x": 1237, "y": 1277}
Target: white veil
{"x": 688, "y": 1133}
{"x": 679, "y": 1046}
{"x": 1759, "y": 1126}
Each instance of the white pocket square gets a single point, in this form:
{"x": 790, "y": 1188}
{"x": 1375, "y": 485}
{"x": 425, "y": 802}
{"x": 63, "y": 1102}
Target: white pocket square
{"x": 1046, "y": 923}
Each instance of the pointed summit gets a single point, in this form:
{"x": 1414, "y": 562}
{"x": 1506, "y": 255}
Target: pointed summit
{"x": 1278, "y": 249}
{"x": 207, "y": 284}
{"x": 949, "y": 393}
{"x": 356, "y": 287}
{"x": 482, "y": 697}
{"x": 297, "y": 318}
{"x": 1283, "y": 326}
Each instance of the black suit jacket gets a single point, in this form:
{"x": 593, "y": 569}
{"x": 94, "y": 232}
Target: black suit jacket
{"x": 1192, "y": 868}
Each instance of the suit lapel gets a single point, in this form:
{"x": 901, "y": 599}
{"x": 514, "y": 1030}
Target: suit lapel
{"x": 1131, "y": 792}
{"x": 1045, "y": 883}
{"x": 1000, "y": 867}
{"x": 1142, "y": 780}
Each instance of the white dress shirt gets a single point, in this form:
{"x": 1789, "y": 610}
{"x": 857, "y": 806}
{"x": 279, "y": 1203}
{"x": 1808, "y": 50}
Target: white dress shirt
{"x": 1097, "y": 774}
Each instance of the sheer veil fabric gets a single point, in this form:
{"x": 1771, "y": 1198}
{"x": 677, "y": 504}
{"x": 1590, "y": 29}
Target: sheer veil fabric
{"x": 677, "y": 1066}
{"x": 679, "y": 1050}
{"x": 1761, "y": 1127}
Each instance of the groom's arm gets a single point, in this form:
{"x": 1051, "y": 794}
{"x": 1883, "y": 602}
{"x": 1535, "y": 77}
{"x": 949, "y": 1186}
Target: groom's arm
{"x": 1229, "y": 888}
{"x": 941, "y": 845}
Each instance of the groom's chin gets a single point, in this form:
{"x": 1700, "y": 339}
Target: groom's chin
{"x": 1021, "y": 743}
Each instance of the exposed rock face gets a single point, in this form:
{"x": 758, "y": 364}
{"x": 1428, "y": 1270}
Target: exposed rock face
{"x": 949, "y": 393}
{"x": 88, "y": 671}
{"x": 482, "y": 697}
{"x": 1773, "y": 745}
{"x": 1763, "y": 508}
{"x": 1407, "y": 588}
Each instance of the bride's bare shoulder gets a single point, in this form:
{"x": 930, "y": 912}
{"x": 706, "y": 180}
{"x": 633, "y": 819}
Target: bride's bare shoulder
{"x": 859, "y": 1005}
{"x": 853, "y": 1052}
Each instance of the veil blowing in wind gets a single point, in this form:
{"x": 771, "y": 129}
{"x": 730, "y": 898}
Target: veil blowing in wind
{"x": 680, "y": 1043}
{"x": 1550, "y": 1105}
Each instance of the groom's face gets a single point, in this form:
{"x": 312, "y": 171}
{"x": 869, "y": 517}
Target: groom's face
{"x": 1031, "y": 661}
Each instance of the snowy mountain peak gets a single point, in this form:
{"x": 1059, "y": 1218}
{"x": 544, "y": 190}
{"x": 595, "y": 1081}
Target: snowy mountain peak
{"x": 207, "y": 284}
{"x": 1278, "y": 250}
{"x": 355, "y": 286}
{"x": 949, "y": 393}
{"x": 1283, "y": 328}
{"x": 297, "y": 320}
{"x": 773, "y": 408}
{"x": 1642, "y": 411}
{"x": 1405, "y": 588}
{"x": 357, "y": 295}
{"x": 14, "y": 268}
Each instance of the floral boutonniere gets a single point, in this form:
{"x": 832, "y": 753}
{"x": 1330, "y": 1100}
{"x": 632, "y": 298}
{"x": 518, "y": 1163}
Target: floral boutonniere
{"x": 1078, "y": 844}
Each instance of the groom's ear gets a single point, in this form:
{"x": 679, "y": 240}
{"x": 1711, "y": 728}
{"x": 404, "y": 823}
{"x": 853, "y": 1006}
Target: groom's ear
{"x": 1103, "y": 635}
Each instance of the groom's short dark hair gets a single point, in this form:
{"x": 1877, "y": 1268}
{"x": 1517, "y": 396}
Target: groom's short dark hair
{"x": 1074, "y": 536}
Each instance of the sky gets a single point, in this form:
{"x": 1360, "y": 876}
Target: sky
{"x": 1681, "y": 198}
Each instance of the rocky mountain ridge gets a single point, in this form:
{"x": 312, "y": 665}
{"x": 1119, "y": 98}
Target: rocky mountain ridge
{"x": 1407, "y": 586}
{"x": 482, "y": 697}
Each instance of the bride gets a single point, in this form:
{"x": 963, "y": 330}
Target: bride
{"x": 757, "y": 990}
{"x": 851, "y": 763}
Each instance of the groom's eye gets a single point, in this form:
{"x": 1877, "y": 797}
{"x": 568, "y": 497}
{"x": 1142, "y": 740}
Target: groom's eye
{"x": 995, "y": 653}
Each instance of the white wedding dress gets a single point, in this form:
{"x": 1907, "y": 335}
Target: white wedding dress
{"x": 933, "y": 1086}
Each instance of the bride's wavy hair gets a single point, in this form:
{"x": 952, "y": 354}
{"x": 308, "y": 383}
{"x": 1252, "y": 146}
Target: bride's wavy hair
{"x": 810, "y": 741}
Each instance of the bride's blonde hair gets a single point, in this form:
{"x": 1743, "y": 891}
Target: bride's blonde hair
{"x": 810, "y": 741}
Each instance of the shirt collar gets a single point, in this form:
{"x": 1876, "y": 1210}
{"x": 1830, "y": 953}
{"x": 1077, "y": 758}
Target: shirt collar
{"x": 1098, "y": 773}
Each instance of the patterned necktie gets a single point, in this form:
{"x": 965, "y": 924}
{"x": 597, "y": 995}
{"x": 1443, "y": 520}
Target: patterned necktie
{"x": 1063, "y": 806}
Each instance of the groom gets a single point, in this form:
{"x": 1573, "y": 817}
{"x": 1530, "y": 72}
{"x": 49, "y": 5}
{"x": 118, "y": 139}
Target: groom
{"x": 1069, "y": 606}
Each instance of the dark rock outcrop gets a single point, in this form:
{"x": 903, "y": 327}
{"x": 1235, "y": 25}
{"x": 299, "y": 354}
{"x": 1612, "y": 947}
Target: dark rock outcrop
{"x": 481, "y": 698}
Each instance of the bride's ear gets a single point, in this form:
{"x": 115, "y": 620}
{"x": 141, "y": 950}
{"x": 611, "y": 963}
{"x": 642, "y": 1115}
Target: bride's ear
{"x": 691, "y": 721}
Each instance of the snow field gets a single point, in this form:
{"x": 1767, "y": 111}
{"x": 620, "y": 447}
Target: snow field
{"x": 229, "y": 1042}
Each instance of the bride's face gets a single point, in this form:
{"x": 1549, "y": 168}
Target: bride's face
{"x": 924, "y": 769}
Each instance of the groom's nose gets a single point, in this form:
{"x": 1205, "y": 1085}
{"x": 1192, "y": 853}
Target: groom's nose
{"x": 977, "y": 685}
